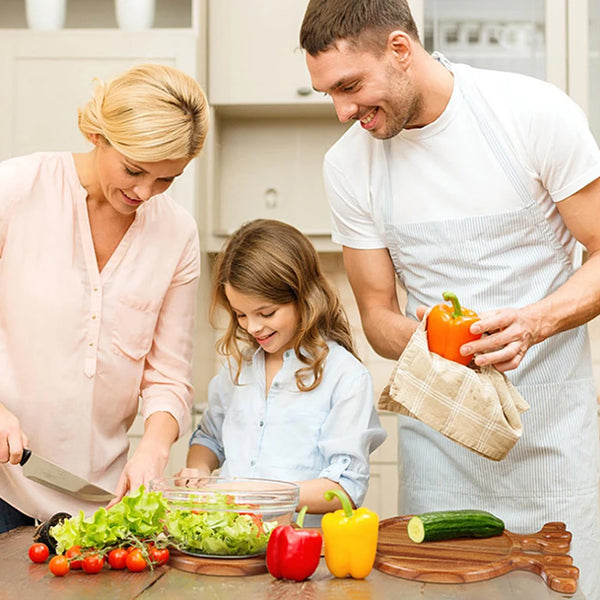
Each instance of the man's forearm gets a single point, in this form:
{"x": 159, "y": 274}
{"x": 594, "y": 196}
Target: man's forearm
{"x": 387, "y": 331}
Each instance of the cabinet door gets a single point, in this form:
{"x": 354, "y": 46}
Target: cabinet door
{"x": 254, "y": 53}
{"x": 48, "y": 75}
{"x": 272, "y": 168}
{"x": 584, "y": 59}
{"x": 524, "y": 36}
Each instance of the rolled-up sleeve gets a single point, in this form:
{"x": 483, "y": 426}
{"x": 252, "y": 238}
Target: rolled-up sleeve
{"x": 167, "y": 378}
{"x": 350, "y": 433}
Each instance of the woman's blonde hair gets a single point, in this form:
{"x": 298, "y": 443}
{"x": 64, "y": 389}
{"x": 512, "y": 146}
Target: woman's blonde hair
{"x": 149, "y": 113}
{"x": 274, "y": 261}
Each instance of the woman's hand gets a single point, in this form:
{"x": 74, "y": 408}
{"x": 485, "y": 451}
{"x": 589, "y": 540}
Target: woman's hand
{"x": 151, "y": 456}
{"x": 146, "y": 464}
{"x": 12, "y": 437}
{"x": 507, "y": 335}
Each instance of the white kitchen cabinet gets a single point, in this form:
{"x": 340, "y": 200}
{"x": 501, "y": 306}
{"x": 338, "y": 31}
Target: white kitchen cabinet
{"x": 584, "y": 58}
{"x": 254, "y": 55}
{"x": 382, "y": 495}
{"x": 272, "y": 168}
{"x": 523, "y": 36}
{"x": 48, "y": 75}
{"x": 270, "y": 130}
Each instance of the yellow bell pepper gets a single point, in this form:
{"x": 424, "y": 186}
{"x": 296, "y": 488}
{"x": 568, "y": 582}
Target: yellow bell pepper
{"x": 350, "y": 538}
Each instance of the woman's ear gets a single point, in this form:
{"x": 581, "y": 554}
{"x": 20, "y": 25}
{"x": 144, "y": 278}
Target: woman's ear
{"x": 95, "y": 138}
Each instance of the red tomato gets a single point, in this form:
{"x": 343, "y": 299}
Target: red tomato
{"x": 159, "y": 556}
{"x": 39, "y": 552}
{"x": 74, "y": 556}
{"x": 59, "y": 565}
{"x": 135, "y": 561}
{"x": 92, "y": 563}
{"x": 117, "y": 558}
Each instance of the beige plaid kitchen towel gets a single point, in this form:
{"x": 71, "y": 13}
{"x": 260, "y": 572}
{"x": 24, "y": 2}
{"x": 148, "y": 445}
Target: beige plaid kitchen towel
{"x": 479, "y": 409}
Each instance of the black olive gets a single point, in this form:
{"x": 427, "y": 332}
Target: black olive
{"x": 42, "y": 532}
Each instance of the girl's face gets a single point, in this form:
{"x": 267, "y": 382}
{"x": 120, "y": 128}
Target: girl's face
{"x": 273, "y": 326}
{"x": 127, "y": 184}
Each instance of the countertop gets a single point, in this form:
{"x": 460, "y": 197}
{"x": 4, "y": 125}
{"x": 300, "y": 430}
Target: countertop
{"x": 20, "y": 579}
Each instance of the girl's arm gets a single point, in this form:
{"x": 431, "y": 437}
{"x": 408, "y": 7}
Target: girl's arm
{"x": 200, "y": 458}
{"x": 312, "y": 494}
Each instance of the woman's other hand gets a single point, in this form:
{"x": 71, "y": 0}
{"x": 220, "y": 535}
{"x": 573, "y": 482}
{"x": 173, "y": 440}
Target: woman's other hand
{"x": 12, "y": 437}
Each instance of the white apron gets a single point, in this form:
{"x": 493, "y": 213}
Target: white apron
{"x": 506, "y": 260}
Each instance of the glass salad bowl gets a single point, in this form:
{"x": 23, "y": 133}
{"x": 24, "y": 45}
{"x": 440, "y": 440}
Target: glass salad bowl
{"x": 225, "y": 517}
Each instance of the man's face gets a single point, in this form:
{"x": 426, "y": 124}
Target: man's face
{"x": 367, "y": 87}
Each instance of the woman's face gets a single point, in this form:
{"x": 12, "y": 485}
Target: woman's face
{"x": 126, "y": 183}
{"x": 273, "y": 326}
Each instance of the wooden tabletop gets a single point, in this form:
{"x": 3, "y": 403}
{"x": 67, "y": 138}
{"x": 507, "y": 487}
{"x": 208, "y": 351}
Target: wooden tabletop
{"x": 20, "y": 579}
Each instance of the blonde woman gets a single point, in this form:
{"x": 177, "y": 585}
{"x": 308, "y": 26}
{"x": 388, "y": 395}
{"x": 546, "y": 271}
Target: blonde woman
{"x": 294, "y": 402}
{"x": 98, "y": 277}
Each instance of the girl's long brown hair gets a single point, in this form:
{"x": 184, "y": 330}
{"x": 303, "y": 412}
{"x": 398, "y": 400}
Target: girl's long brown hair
{"x": 275, "y": 261}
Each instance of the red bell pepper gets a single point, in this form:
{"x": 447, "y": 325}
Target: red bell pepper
{"x": 294, "y": 553}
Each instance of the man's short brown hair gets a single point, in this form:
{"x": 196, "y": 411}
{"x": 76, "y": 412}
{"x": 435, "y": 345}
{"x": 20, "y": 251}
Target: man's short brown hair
{"x": 360, "y": 22}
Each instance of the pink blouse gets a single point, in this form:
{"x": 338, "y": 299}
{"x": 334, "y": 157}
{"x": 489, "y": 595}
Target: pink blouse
{"x": 79, "y": 348}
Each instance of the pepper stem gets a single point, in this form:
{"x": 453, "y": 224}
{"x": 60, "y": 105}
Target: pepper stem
{"x": 300, "y": 517}
{"x": 451, "y": 297}
{"x": 343, "y": 498}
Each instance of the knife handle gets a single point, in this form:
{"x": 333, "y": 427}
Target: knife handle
{"x": 25, "y": 456}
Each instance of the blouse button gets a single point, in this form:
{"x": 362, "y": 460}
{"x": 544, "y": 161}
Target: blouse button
{"x": 261, "y": 423}
{"x": 252, "y": 463}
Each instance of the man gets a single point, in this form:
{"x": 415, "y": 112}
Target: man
{"x": 482, "y": 183}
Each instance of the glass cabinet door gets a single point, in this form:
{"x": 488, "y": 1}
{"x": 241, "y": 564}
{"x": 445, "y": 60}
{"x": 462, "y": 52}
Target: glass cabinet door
{"x": 507, "y": 36}
{"x": 593, "y": 87}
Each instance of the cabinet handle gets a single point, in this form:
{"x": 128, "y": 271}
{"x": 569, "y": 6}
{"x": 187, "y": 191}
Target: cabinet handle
{"x": 304, "y": 91}
{"x": 271, "y": 198}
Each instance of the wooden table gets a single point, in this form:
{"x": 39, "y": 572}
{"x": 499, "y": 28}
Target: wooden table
{"x": 20, "y": 579}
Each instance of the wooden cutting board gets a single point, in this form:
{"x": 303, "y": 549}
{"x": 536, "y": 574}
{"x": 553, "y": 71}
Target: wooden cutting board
{"x": 253, "y": 565}
{"x": 465, "y": 560}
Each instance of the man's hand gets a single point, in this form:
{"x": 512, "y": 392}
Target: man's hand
{"x": 507, "y": 335}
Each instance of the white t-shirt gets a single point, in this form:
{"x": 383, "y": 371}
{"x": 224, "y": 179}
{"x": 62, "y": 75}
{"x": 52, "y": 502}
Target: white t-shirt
{"x": 446, "y": 170}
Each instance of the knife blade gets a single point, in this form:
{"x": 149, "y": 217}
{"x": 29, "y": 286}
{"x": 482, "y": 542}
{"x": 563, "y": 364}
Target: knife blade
{"x": 47, "y": 473}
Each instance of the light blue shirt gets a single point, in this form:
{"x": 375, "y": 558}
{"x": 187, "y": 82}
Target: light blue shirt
{"x": 292, "y": 435}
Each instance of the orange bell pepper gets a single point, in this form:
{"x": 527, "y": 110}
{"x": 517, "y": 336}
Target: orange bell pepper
{"x": 448, "y": 329}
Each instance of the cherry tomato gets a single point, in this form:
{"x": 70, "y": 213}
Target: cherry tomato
{"x": 117, "y": 558}
{"x": 159, "y": 556}
{"x": 59, "y": 565}
{"x": 39, "y": 552}
{"x": 92, "y": 563}
{"x": 135, "y": 561}
{"x": 74, "y": 556}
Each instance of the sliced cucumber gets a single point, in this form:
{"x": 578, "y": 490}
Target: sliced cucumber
{"x": 451, "y": 524}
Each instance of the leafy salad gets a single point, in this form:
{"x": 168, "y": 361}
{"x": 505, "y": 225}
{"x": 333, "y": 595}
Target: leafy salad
{"x": 135, "y": 518}
{"x": 218, "y": 527}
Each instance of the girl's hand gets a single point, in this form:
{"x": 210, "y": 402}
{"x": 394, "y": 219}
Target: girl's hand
{"x": 508, "y": 334}
{"x": 12, "y": 437}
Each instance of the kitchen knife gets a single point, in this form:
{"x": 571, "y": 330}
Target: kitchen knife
{"x": 43, "y": 471}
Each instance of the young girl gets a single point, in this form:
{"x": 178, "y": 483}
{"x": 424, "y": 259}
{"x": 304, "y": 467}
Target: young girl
{"x": 293, "y": 402}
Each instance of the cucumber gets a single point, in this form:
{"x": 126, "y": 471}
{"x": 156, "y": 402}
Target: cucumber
{"x": 450, "y": 524}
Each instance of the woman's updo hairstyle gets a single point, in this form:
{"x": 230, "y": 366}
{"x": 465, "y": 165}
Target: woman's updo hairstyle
{"x": 149, "y": 113}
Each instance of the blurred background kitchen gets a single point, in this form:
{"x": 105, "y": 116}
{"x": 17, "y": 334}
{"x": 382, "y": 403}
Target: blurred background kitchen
{"x": 269, "y": 129}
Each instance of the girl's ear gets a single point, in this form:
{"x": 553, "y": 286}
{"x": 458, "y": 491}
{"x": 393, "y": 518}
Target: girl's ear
{"x": 95, "y": 138}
